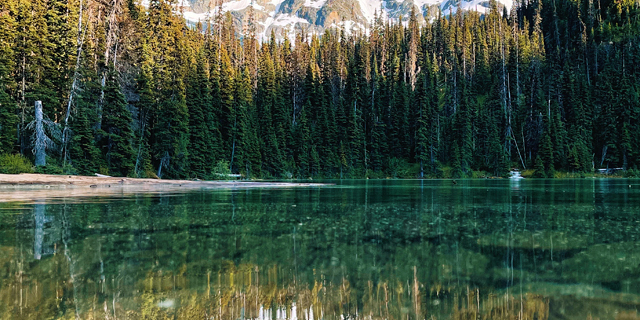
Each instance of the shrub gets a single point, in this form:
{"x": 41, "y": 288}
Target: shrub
{"x": 445, "y": 172}
{"x": 480, "y": 174}
{"x": 631, "y": 173}
{"x": 50, "y": 169}
{"x": 15, "y": 163}
{"x": 221, "y": 170}
{"x": 401, "y": 168}
{"x": 528, "y": 173}
{"x": 55, "y": 167}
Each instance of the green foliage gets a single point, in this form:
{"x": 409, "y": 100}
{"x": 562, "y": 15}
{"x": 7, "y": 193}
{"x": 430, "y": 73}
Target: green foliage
{"x": 116, "y": 134}
{"x": 8, "y": 121}
{"x": 50, "y": 169}
{"x": 559, "y": 91}
{"x": 84, "y": 154}
{"x": 480, "y": 174}
{"x": 202, "y": 146}
{"x": 8, "y": 105}
{"x": 221, "y": 170}
{"x": 55, "y": 166}
{"x": 401, "y": 168}
{"x": 529, "y": 173}
{"x": 632, "y": 173}
{"x": 15, "y": 163}
{"x": 539, "y": 169}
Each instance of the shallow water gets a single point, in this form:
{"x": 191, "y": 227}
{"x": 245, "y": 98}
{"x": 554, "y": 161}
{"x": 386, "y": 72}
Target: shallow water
{"x": 363, "y": 249}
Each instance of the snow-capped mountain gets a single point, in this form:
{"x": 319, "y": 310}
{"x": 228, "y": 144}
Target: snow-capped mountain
{"x": 314, "y": 16}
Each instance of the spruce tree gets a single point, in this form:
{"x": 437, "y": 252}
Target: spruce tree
{"x": 243, "y": 149}
{"x": 8, "y": 121}
{"x": 84, "y": 154}
{"x": 201, "y": 145}
{"x": 248, "y": 156}
{"x": 116, "y": 134}
{"x": 8, "y": 106}
{"x": 146, "y": 106}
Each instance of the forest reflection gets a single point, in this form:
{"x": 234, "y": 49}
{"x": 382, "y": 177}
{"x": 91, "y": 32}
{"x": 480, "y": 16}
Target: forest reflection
{"x": 350, "y": 253}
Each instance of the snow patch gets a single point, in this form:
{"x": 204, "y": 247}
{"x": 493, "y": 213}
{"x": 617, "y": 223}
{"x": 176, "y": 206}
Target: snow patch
{"x": 195, "y": 17}
{"x": 240, "y": 5}
{"x": 287, "y": 19}
{"x": 349, "y": 27}
{"x": 317, "y": 4}
{"x": 480, "y": 6}
{"x": 269, "y": 21}
{"x": 369, "y": 8}
{"x": 422, "y": 3}
{"x": 283, "y": 20}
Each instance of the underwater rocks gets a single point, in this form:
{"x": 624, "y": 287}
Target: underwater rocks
{"x": 509, "y": 275}
{"x": 582, "y": 301}
{"x": 542, "y": 240}
{"x": 459, "y": 264}
{"x": 606, "y": 263}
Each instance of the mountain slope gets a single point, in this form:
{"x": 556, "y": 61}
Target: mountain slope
{"x": 314, "y": 16}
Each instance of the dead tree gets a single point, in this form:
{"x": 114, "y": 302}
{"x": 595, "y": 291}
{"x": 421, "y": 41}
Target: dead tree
{"x": 74, "y": 86}
{"x": 41, "y": 141}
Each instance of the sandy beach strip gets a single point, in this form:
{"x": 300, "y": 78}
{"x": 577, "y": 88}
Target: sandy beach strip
{"x": 28, "y": 186}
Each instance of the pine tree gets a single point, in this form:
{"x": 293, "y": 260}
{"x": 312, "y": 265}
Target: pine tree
{"x": 116, "y": 134}
{"x": 226, "y": 113}
{"x": 84, "y": 154}
{"x": 8, "y": 121}
{"x": 170, "y": 136}
{"x": 242, "y": 147}
{"x": 198, "y": 99}
{"x": 8, "y": 106}
{"x": 539, "y": 170}
{"x": 546, "y": 153}
{"x": 144, "y": 120}
{"x": 249, "y": 160}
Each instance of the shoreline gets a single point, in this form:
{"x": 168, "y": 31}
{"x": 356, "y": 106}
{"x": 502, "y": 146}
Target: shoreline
{"x": 33, "y": 186}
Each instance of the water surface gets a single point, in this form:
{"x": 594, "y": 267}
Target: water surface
{"x": 364, "y": 249}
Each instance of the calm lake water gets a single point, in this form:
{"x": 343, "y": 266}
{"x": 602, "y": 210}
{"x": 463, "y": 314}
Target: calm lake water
{"x": 365, "y": 249}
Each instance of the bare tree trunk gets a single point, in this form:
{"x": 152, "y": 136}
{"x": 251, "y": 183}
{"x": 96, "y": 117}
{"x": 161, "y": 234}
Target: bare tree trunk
{"x": 138, "y": 160}
{"x": 111, "y": 37}
{"x": 23, "y": 103}
{"x": 39, "y": 150}
{"x": 74, "y": 87}
{"x": 164, "y": 162}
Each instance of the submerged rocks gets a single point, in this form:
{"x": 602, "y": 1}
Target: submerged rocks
{"x": 459, "y": 264}
{"x": 542, "y": 240}
{"x": 509, "y": 275}
{"x": 616, "y": 262}
{"x": 582, "y": 301}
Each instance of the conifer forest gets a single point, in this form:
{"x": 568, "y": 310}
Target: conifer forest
{"x": 128, "y": 90}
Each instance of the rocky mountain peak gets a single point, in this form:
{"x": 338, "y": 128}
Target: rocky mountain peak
{"x": 314, "y": 16}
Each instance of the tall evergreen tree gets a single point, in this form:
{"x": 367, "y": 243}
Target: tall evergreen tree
{"x": 198, "y": 100}
{"x": 116, "y": 134}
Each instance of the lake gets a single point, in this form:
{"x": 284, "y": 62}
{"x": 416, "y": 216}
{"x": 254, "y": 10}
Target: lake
{"x": 362, "y": 249}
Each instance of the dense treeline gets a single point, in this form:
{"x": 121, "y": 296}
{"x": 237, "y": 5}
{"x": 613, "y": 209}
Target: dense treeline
{"x": 551, "y": 85}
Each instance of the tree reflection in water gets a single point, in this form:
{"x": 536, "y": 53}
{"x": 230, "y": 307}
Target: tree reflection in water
{"x": 382, "y": 252}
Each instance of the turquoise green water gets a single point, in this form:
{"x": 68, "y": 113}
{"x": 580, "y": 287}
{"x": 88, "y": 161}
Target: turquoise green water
{"x": 365, "y": 249}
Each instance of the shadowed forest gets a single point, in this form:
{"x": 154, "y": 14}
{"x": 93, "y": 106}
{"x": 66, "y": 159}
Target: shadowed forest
{"x": 134, "y": 91}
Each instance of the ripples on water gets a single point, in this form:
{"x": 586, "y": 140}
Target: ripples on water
{"x": 479, "y": 249}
